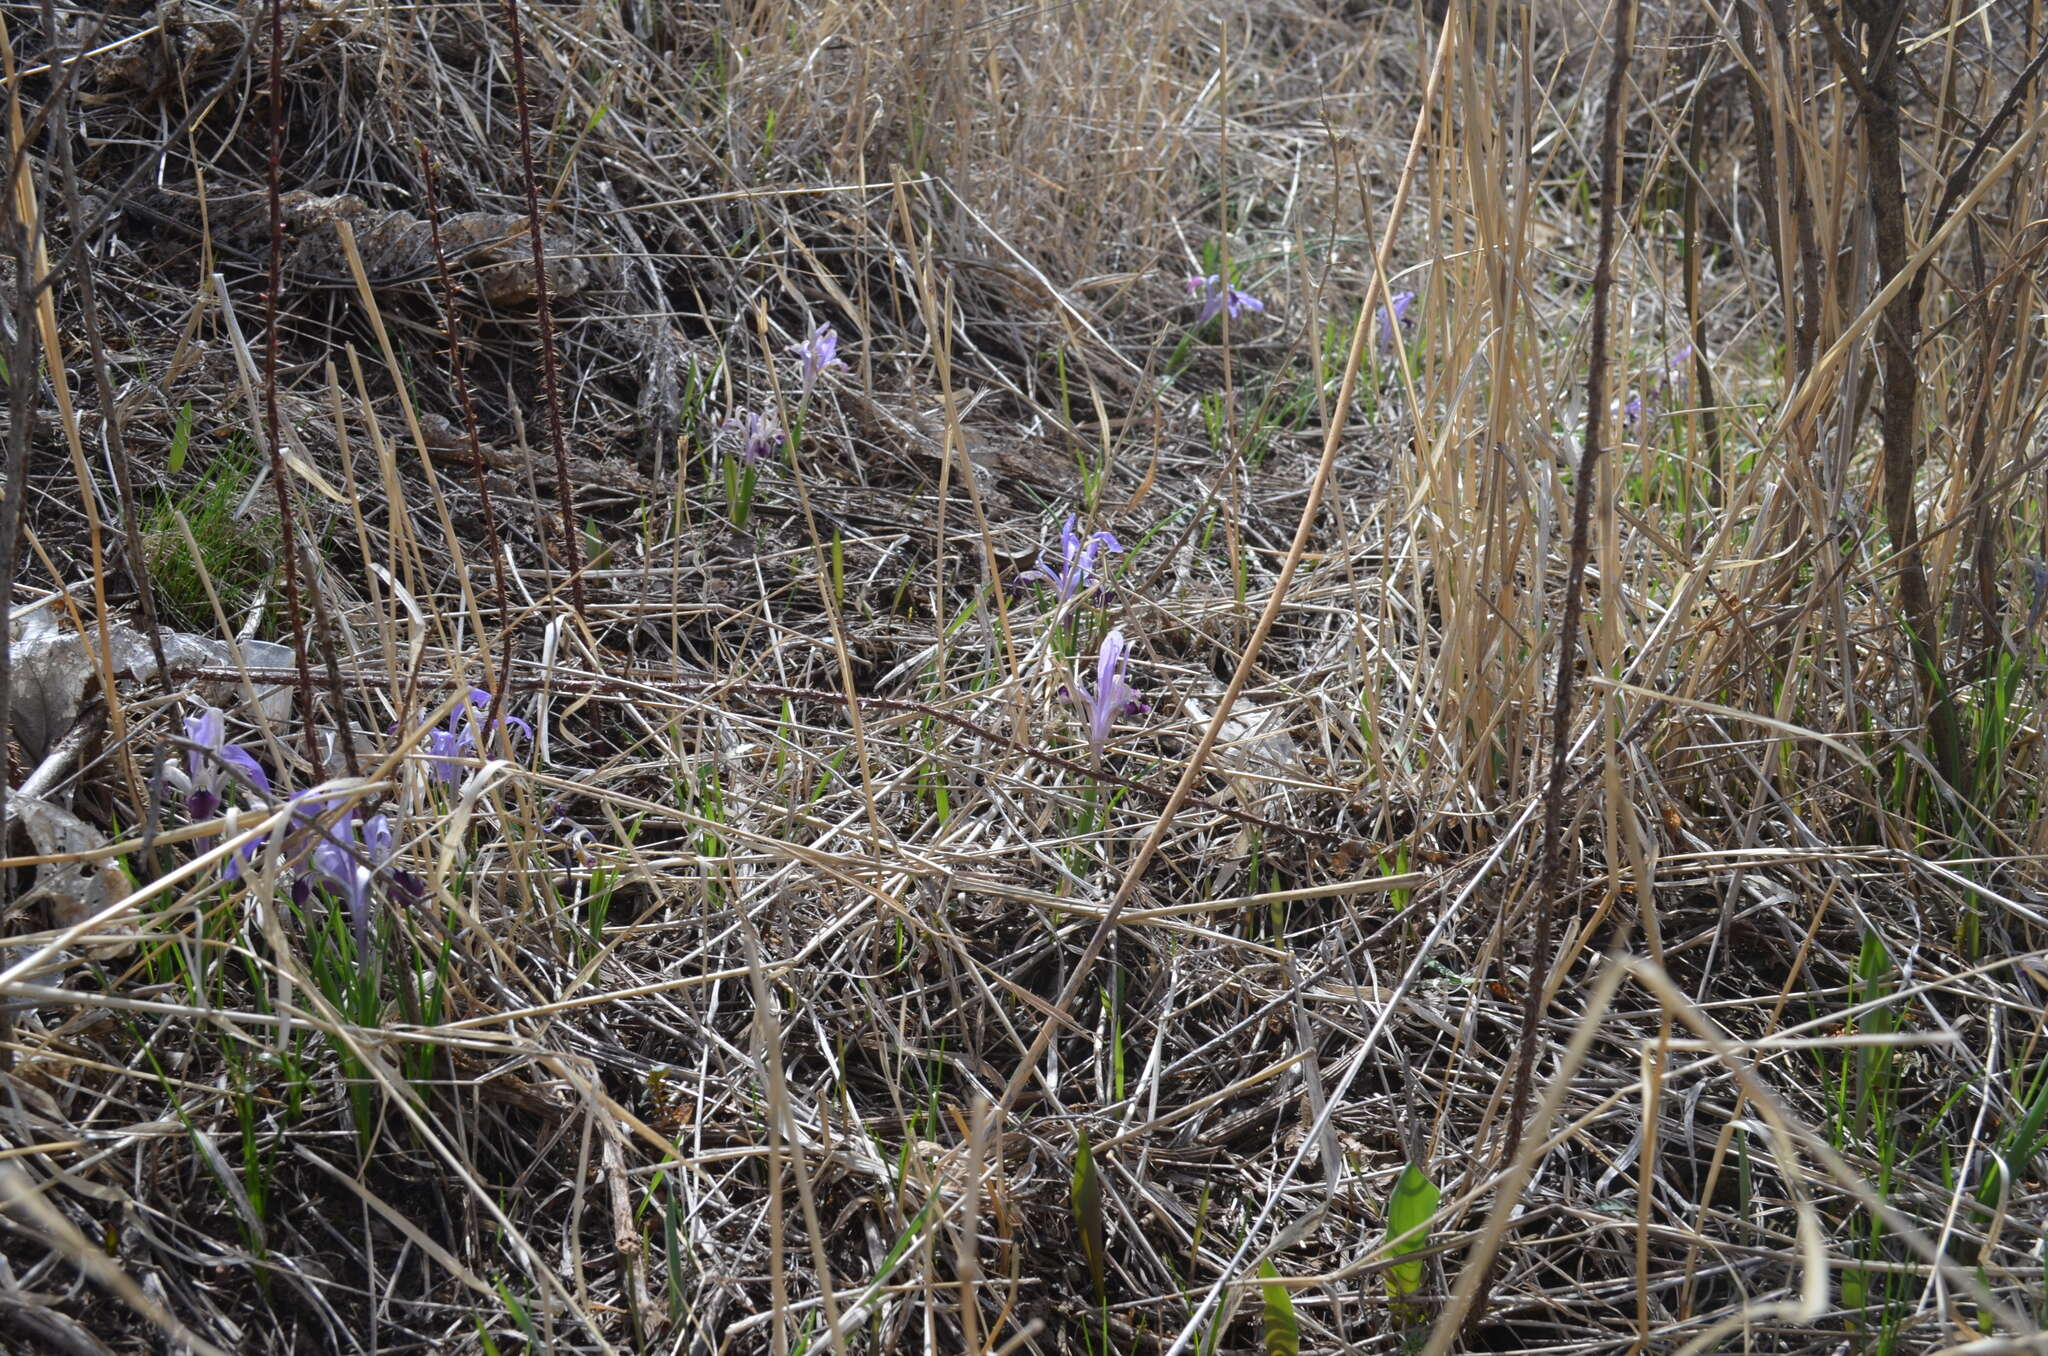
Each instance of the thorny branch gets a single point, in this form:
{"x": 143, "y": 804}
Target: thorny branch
{"x": 551, "y": 381}
{"x": 280, "y": 483}
{"x": 1550, "y": 880}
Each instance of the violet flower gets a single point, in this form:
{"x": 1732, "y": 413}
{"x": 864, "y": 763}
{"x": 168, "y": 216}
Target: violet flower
{"x": 1642, "y": 407}
{"x": 211, "y": 762}
{"x": 302, "y": 812}
{"x": 819, "y": 353}
{"x": 1220, "y": 297}
{"x": 449, "y": 745}
{"x": 212, "y": 765}
{"x": 1080, "y": 564}
{"x": 1113, "y": 696}
{"x": 2037, "y": 581}
{"x": 348, "y": 860}
{"x": 241, "y": 858}
{"x": 761, "y": 438}
{"x": 1394, "y": 313}
{"x": 306, "y": 809}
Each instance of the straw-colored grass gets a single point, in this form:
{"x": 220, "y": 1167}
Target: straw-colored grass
{"x": 765, "y": 998}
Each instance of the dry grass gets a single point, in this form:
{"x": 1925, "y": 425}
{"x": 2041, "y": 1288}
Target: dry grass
{"x": 761, "y": 1001}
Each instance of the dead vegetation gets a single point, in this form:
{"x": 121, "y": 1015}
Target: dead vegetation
{"x": 800, "y": 945}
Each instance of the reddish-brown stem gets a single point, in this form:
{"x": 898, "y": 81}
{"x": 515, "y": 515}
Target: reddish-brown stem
{"x": 460, "y": 378}
{"x": 22, "y": 430}
{"x": 1696, "y": 318}
{"x": 550, "y": 376}
{"x": 287, "y": 526}
{"x": 1550, "y": 878}
{"x": 1876, "y": 83}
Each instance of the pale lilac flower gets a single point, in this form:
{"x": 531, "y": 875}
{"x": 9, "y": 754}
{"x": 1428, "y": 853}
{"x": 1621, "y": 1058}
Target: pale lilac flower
{"x": 1394, "y": 313}
{"x": 761, "y": 438}
{"x": 304, "y": 812}
{"x": 241, "y": 858}
{"x": 819, "y": 354}
{"x": 1113, "y": 696}
{"x": 1080, "y": 563}
{"x": 1218, "y": 297}
{"x": 1642, "y": 408}
{"x": 2037, "y": 579}
{"x": 449, "y": 745}
{"x": 348, "y": 860}
{"x": 211, "y": 762}
{"x": 306, "y": 809}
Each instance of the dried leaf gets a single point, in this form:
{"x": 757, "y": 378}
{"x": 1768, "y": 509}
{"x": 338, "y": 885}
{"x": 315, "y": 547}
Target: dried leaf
{"x": 54, "y": 669}
{"x": 74, "y": 890}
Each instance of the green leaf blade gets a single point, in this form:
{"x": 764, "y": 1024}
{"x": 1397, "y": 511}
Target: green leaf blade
{"x": 1087, "y": 1202}
{"x": 1409, "y": 1211}
{"x": 1283, "y": 1330}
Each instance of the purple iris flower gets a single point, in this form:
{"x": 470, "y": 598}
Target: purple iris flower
{"x": 306, "y": 808}
{"x": 1394, "y": 313}
{"x": 449, "y": 745}
{"x": 1113, "y": 696}
{"x": 241, "y": 858}
{"x": 212, "y": 764}
{"x": 348, "y": 859}
{"x": 1639, "y": 411}
{"x": 761, "y": 438}
{"x": 1220, "y": 297}
{"x": 1080, "y": 564}
{"x": 306, "y": 811}
{"x": 819, "y": 354}
{"x": 211, "y": 761}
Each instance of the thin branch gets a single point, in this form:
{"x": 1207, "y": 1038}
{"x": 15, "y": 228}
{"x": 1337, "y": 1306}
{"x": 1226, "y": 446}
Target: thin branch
{"x": 460, "y": 378}
{"x": 288, "y": 527}
{"x": 551, "y": 390}
{"x": 1550, "y": 879}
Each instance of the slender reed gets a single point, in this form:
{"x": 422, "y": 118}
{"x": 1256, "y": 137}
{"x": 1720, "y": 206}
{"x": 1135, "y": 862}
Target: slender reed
{"x": 1898, "y": 340}
{"x": 287, "y": 524}
{"x": 1550, "y": 879}
{"x": 550, "y": 371}
{"x": 22, "y": 421}
{"x": 459, "y": 376}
